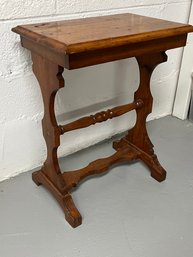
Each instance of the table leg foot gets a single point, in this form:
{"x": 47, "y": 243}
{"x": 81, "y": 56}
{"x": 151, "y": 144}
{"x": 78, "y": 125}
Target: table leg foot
{"x": 35, "y": 178}
{"x": 151, "y": 160}
{"x": 72, "y": 215}
{"x": 159, "y": 175}
{"x": 157, "y": 171}
{"x": 65, "y": 200}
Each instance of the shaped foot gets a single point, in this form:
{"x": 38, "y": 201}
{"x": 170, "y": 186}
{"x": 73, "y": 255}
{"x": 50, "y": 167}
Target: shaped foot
{"x": 72, "y": 215}
{"x": 157, "y": 171}
{"x": 36, "y": 178}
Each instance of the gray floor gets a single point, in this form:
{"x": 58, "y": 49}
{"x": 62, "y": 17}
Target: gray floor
{"x": 125, "y": 212}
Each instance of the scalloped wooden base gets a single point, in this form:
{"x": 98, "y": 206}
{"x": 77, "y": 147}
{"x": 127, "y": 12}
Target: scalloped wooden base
{"x": 125, "y": 152}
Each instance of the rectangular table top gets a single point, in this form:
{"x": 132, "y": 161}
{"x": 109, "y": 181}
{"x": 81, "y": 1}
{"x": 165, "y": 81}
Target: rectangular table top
{"x": 88, "y": 34}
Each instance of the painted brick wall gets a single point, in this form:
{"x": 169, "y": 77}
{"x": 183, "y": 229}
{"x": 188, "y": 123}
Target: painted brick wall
{"x": 87, "y": 90}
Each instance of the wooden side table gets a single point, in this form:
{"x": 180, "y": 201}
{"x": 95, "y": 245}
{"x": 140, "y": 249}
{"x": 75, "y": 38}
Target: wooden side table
{"x": 79, "y": 43}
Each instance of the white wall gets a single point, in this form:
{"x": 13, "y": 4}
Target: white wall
{"x": 183, "y": 92}
{"x": 21, "y": 143}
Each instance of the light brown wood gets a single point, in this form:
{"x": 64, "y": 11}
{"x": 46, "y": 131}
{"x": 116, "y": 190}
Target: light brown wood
{"x": 101, "y": 116}
{"x": 124, "y": 154}
{"x": 80, "y": 35}
{"x": 138, "y": 137}
{"x": 80, "y": 43}
{"x": 83, "y": 42}
{"x": 49, "y": 76}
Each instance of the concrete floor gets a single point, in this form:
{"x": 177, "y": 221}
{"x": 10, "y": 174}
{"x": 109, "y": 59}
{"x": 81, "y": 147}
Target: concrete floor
{"x": 125, "y": 212}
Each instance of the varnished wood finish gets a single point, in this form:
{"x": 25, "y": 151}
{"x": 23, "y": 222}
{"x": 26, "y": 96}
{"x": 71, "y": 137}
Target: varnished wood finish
{"x": 83, "y": 42}
{"x": 81, "y": 35}
{"x": 80, "y": 43}
{"x": 50, "y": 79}
{"x": 110, "y": 54}
{"x": 126, "y": 153}
{"x": 101, "y": 116}
{"x": 138, "y": 136}
{"x": 49, "y": 76}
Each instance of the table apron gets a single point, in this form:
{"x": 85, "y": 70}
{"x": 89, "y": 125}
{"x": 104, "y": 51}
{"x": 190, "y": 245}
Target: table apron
{"x": 88, "y": 58}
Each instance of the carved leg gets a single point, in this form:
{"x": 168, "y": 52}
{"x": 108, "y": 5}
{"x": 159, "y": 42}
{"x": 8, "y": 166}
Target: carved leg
{"x": 49, "y": 76}
{"x": 137, "y": 136}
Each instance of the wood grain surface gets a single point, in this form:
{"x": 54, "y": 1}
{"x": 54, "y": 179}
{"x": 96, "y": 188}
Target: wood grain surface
{"x": 79, "y": 35}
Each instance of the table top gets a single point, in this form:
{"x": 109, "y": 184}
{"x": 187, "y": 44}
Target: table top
{"x": 86, "y": 34}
